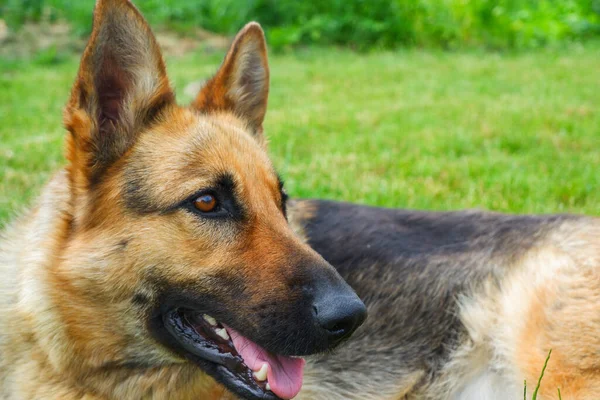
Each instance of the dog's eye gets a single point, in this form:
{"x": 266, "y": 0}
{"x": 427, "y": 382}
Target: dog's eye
{"x": 206, "y": 203}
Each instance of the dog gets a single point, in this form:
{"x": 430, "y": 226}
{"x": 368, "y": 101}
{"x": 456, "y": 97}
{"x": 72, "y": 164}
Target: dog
{"x": 166, "y": 262}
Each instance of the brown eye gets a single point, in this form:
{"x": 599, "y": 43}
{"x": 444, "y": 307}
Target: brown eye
{"x": 205, "y": 203}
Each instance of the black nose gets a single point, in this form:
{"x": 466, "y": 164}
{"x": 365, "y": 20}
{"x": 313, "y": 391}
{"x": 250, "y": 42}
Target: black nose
{"x": 339, "y": 315}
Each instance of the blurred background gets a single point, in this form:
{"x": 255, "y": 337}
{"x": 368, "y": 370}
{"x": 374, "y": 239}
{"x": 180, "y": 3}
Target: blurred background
{"x": 435, "y": 104}
{"x": 359, "y": 24}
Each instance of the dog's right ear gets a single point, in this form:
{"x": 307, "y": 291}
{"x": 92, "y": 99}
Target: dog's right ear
{"x": 121, "y": 86}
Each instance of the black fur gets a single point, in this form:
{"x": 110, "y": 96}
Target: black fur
{"x": 409, "y": 268}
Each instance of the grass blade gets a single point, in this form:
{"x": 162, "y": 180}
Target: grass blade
{"x": 535, "y": 392}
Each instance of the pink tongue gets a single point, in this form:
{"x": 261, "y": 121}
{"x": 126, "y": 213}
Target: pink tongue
{"x": 284, "y": 374}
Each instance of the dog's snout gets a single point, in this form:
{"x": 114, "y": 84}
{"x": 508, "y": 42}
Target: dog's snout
{"x": 325, "y": 310}
{"x": 339, "y": 315}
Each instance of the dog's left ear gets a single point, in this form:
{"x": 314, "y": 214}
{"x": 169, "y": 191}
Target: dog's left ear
{"x": 242, "y": 83}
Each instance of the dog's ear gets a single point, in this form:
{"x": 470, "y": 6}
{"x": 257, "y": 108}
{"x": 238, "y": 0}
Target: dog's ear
{"x": 242, "y": 83}
{"x": 121, "y": 86}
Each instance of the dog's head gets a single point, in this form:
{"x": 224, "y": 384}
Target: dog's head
{"x": 179, "y": 245}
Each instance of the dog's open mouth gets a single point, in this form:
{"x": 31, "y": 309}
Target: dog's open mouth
{"x": 241, "y": 364}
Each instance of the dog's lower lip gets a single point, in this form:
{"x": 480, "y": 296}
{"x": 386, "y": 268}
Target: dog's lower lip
{"x": 216, "y": 350}
{"x": 195, "y": 344}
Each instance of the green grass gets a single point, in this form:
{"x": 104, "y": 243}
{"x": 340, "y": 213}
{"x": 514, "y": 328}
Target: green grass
{"x": 539, "y": 382}
{"x": 417, "y": 129}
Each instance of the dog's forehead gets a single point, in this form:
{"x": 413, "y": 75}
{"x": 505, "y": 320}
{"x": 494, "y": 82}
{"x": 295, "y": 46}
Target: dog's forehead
{"x": 187, "y": 151}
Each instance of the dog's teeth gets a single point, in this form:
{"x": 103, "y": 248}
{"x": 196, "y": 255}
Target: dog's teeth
{"x": 261, "y": 374}
{"x": 210, "y": 319}
{"x": 222, "y": 333}
{"x": 268, "y": 387}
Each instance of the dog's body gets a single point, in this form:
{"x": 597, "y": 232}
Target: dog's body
{"x": 168, "y": 220}
{"x": 462, "y": 305}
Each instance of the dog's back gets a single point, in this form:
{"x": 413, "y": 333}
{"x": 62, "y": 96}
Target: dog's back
{"x": 461, "y": 305}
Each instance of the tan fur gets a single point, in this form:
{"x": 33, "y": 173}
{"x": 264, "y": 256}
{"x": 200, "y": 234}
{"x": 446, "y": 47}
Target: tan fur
{"x": 299, "y": 212}
{"x": 549, "y": 302}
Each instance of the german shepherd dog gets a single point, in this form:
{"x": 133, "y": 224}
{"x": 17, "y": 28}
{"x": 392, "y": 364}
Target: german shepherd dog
{"x": 165, "y": 262}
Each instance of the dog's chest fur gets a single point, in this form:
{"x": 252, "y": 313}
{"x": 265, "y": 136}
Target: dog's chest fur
{"x": 487, "y": 385}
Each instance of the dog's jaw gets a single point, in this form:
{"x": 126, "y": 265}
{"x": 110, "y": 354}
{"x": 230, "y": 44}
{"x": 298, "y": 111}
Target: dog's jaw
{"x": 224, "y": 354}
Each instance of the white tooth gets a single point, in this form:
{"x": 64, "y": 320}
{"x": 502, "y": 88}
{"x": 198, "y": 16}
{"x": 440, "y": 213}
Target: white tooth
{"x": 223, "y": 333}
{"x": 210, "y": 319}
{"x": 268, "y": 387}
{"x": 261, "y": 374}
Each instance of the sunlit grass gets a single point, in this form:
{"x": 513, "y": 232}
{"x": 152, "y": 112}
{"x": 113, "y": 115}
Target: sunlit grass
{"x": 417, "y": 129}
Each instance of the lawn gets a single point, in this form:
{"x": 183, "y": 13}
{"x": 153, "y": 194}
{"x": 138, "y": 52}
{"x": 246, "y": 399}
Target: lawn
{"x": 410, "y": 128}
